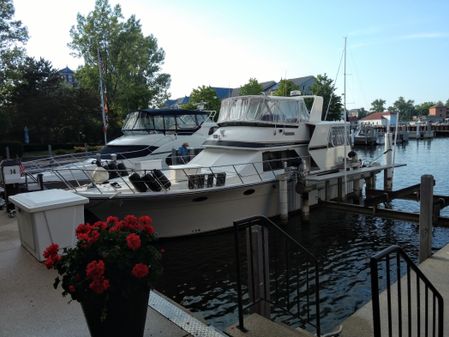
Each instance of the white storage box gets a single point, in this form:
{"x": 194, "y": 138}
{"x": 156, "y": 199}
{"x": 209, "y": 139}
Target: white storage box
{"x": 46, "y": 217}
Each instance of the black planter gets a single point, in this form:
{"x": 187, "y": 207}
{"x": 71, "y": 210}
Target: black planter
{"x": 121, "y": 316}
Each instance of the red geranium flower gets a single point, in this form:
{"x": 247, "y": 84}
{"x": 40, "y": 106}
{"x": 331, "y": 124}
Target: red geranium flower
{"x": 109, "y": 257}
{"x": 145, "y": 220}
{"x": 99, "y": 286}
{"x": 51, "y": 250}
{"x": 112, "y": 220}
{"x": 95, "y": 269}
{"x": 133, "y": 241}
{"x": 140, "y": 270}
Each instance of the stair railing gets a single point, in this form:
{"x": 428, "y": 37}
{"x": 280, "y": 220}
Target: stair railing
{"x": 290, "y": 290}
{"x": 406, "y": 308}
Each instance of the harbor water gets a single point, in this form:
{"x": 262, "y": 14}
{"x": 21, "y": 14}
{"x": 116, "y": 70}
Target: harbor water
{"x": 200, "y": 271}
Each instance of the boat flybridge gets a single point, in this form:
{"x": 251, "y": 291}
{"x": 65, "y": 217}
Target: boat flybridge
{"x": 260, "y": 140}
{"x": 151, "y": 138}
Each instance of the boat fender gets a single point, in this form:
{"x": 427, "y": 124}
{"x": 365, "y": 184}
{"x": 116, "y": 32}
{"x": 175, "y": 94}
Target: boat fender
{"x": 300, "y": 187}
{"x": 221, "y": 179}
{"x": 138, "y": 182}
{"x": 163, "y": 180}
{"x": 151, "y": 182}
{"x": 122, "y": 169}
{"x": 112, "y": 169}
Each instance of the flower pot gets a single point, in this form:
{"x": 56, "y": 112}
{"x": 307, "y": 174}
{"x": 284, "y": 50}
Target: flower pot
{"x": 119, "y": 316}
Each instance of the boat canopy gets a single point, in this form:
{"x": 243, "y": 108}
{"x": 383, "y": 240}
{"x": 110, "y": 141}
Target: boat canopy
{"x": 164, "y": 120}
{"x": 263, "y": 109}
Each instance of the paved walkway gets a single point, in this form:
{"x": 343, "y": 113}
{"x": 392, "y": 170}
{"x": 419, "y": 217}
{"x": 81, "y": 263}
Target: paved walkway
{"x": 436, "y": 269}
{"x": 30, "y": 306}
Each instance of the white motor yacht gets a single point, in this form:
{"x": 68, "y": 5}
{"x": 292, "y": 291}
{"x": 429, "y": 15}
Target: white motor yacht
{"x": 260, "y": 141}
{"x": 150, "y": 136}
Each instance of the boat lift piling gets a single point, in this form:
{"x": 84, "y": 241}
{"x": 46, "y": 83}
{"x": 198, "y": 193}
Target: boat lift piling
{"x": 283, "y": 193}
{"x": 388, "y": 173}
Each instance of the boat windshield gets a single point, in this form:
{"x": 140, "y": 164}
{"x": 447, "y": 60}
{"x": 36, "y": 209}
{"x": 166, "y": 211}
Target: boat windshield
{"x": 264, "y": 109}
{"x": 142, "y": 122}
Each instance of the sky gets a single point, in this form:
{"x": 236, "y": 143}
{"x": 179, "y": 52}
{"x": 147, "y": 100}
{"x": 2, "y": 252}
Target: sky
{"x": 394, "y": 48}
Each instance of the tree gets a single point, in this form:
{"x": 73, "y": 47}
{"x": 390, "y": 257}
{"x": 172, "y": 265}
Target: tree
{"x": 285, "y": 88}
{"x": 205, "y": 98}
{"x": 130, "y": 62}
{"x": 12, "y": 37}
{"x": 362, "y": 113}
{"x": 406, "y": 109}
{"x": 323, "y": 86}
{"x": 378, "y": 105}
{"x": 447, "y": 104}
{"x": 253, "y": 87}
{"x": 423, "y": 108}
{"x": 53, "y": 111}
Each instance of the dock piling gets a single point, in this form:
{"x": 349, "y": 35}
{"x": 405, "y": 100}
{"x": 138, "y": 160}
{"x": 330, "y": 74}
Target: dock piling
{"x": 388, "y": 173}
{"x": 425, "y": 217}
{"x": 258, "y": 267}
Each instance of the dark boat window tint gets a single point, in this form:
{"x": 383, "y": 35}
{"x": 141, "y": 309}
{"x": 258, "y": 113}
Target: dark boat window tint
{"x": 130, "y": 151}
{"x": 273, "y": 160}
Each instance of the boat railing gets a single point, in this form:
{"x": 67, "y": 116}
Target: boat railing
{"x": 181, "y": 176}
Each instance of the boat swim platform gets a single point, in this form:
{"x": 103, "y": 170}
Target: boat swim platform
{"x": 362, "y": 172}
{"x": 30, "y": 306}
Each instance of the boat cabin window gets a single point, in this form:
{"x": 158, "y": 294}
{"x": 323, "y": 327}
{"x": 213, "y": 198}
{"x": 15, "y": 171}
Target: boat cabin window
{"x": 126, "y": 151}
{"x": 144, "y": 122}
{"x": 274, "y": 160}
{"x": 337, "y": 136}
{"x": 263, "y": 109}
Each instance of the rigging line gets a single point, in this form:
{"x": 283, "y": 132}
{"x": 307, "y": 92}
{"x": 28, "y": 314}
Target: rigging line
{"x": 333, "y": 86}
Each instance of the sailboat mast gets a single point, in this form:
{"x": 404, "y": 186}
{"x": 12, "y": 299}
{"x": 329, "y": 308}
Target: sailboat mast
{"x": 103, "y": 111}
{"x": 344, "y": 81}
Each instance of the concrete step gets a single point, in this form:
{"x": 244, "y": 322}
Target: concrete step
{"x": 259, "y": 326}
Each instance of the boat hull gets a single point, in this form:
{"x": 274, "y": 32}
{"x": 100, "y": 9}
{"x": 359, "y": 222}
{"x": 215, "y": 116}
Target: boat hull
{"x": 197, "y": 212}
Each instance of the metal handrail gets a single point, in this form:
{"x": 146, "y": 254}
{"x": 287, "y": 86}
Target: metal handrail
{"x": 437, "y": 316}
{"x": 310, "y": 260}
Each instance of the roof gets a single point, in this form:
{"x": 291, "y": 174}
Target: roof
{"x": 167, "y": 111}
{"x": 304, "y": 84}
{"x": 66, "y": 70}
{"x": 377, "y": 115}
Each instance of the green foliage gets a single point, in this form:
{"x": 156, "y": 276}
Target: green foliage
{"x": 423, "y": 108}
{"x": 11, "y": 31}
{"x": 406, "y": 109}
{"x": 253, "y": 87}
{"x": 15, "y": 149}
{"x": 378, "y": 105}
{"x": 53, "y": 111}
{"x": 285, "y": 88}
{"x": 131, "y": 62}
{"x": 447, "y": 104}
{"x": 12, "y": 37}
{"x": 203, "y": 96}
{"x": 324, "y": 87}
{"x": 362, "y": 113}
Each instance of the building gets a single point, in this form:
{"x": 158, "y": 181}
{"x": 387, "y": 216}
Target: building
{"x": 438, "y": 112}
{"x": 383, "y": 119}
{"x": 68, "y": 75}
{"x": 304, "y": 84}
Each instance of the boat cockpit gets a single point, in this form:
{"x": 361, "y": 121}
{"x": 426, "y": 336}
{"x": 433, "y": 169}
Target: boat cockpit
{"x": 171, "y": 121}
{"x": 263, "y": 111}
